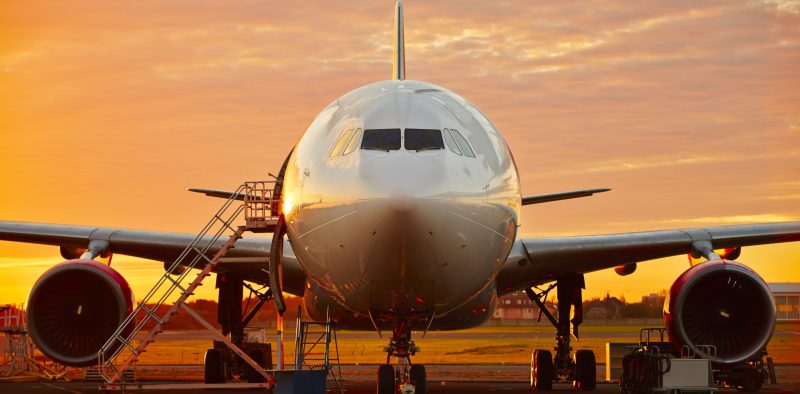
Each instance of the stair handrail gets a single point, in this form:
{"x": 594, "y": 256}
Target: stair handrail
{"x": 106, "y": 357}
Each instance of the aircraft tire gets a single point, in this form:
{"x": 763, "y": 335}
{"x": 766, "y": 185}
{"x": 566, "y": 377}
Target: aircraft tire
{"x": 260, "y": 357}
{"x": 418, "y": 379}
{"x": 386, "y": 383}
{"x": 542, "y": 370}
{"x": 585, "y": 370}
{"x": 750, "y": 383}
{"x": 214, "y": 368}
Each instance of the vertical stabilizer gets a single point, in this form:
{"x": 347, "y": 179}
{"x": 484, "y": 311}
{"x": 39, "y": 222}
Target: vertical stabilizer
{"x": 399, "y": 55}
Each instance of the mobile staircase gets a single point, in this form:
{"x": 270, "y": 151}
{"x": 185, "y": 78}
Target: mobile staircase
{"x": 316, "y": 359}
{"x": 313, "y": 348}
{"x": 204, "y": 253}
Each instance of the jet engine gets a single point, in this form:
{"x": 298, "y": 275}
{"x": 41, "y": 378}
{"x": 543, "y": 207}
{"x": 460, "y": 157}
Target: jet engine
{"x": 75, "y": 307}
{"x": 724, "y": 304}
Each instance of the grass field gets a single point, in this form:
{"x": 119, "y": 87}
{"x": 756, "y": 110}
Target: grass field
{"x": 483, "y": 345}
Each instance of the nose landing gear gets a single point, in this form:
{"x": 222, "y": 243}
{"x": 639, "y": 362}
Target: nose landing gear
{"x": 406, "y": 377}
{"x": 581, "y": 369}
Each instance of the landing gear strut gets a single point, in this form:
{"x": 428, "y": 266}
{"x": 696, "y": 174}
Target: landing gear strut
{"x": 405, "y": 374}
{"x": 220, "y": 363}
{"x": 545, "y": 368}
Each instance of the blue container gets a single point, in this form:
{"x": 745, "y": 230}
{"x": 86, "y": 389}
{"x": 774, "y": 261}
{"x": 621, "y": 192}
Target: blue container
{"x": 295, "y": 382}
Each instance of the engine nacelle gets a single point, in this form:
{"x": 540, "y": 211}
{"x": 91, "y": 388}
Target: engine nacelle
{"x": 625, "y": 269}
{"x": 75, "y": 307}
{"x": 721, "y": 303}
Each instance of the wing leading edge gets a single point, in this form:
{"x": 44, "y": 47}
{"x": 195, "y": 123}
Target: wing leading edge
{"x": 538, "y": 260}
{"x": 159, "y": 246}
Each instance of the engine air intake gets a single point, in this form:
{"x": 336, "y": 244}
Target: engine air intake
{"x": 74, "y": 308}
{"x": 724, "y": 304}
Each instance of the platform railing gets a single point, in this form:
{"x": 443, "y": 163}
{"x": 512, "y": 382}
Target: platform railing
{"x": 261, "y": 209}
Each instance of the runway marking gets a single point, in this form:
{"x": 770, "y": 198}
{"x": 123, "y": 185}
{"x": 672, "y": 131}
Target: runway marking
{"x": 61, "y": 388}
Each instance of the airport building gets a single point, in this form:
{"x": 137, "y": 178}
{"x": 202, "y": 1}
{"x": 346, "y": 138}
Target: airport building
{"x": 787, "y": 300}
{"x": 517, "y": 306}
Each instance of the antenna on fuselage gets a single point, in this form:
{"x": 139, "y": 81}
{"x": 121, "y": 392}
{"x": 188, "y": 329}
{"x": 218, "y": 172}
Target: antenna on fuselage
{"x": 399, "y": 58}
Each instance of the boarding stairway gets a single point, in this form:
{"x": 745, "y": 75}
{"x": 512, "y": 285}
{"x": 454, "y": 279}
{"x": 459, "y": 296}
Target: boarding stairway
{"x": 314, "y": 341}
{"x": 204, "y": 253}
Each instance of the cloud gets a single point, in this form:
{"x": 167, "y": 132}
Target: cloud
{"x": 717, "y": 220}
{"x": 784, "y": 6}
{"x": 687, "y": 109}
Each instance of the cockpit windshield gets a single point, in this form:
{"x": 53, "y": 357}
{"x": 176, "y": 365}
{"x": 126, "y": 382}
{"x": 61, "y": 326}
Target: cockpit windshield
{"x": 381, "y": 139}
{"x": 423, "y": 139}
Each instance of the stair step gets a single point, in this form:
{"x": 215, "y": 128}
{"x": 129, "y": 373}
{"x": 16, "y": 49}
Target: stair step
{"x": 93, "y": 375}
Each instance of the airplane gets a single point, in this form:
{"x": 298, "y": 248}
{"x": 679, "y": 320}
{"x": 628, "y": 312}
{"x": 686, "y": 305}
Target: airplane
{"x": 400, "y": 206}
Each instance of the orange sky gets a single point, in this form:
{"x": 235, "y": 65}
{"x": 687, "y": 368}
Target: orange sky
{"x": 690, "y": 112}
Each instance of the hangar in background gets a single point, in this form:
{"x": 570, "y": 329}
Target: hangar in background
{"x": 787, "y": 300}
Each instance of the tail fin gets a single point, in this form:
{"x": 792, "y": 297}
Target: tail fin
{"x": 399, "y": 58}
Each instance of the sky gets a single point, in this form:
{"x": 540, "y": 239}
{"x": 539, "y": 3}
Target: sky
{"x": 689, "y": 111}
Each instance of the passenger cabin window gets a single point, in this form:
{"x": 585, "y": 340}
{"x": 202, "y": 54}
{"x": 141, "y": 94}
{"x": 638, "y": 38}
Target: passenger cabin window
{"x": 381, "y": 139}
{"x": 341, "y": 143}
{"x": 353, "y": 142}
{"x": 451, "y": 143}
{"x": 462, "y": 143}
{"x": 423, "y": 139}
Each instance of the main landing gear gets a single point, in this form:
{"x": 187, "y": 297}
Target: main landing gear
{"x": 405, "y": 376}
{"x": 220, "y": 363}
{"x": 579, "y": 369}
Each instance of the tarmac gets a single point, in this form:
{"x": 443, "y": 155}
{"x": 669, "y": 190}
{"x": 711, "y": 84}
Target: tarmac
{"x": 464, "y": 379}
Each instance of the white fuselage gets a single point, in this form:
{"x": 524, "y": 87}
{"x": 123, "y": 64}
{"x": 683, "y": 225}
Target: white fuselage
{"x": 401, "y": 230}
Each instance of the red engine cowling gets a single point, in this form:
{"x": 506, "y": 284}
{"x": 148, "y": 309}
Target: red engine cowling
{"x": 75, "y": 307}
{"x": 724, "y": 304}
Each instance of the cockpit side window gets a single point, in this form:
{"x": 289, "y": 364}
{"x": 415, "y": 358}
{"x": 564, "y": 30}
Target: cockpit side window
{"x": 341, "y": 143}
{"x": 353, "y": 142}
{"x": 451, "y": 143}
{"x": 462, "y": 143}
{"x": 381, "y": 139}
{"x": 423, "y": 139}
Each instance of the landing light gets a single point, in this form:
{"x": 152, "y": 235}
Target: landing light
{"x": 288, "y": 205}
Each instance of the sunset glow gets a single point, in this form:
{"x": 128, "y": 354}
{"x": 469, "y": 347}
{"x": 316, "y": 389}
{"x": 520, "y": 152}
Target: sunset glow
{"x": 689, "y": 112}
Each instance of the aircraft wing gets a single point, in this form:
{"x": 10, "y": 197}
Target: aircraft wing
{"x": 249, "y": 257}
{"x": 539, "y": 260}
{"x": 217, "y": 193}
{"x": 526, "y": 200}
